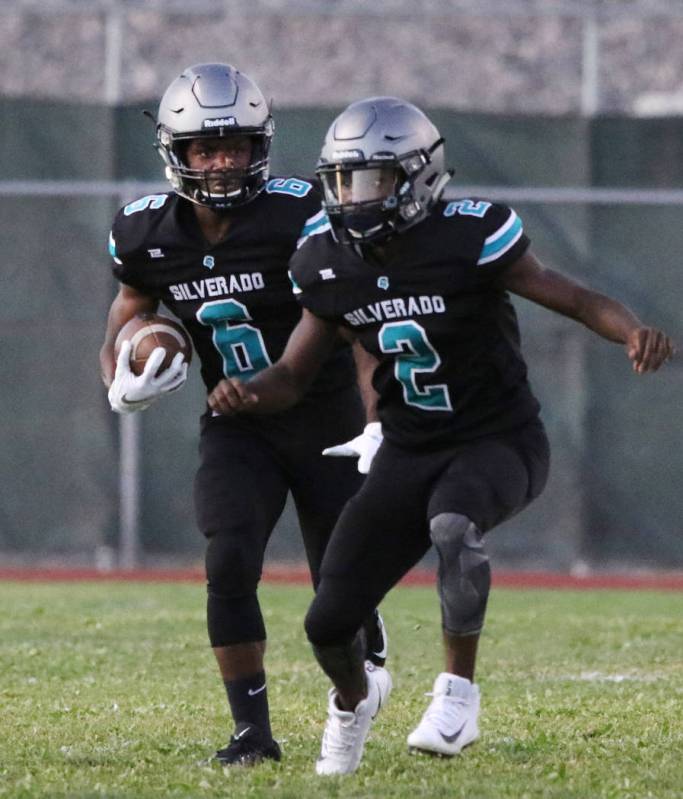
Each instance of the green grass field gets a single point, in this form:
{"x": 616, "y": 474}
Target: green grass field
{"x": 110, "y": 689}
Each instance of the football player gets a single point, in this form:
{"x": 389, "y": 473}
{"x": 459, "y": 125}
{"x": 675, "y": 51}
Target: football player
{"x": 215, "y": 251}
{"x": 424, "y": 285}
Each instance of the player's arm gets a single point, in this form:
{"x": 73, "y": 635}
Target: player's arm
{"x": 128, "y": 303}
{"x": 129, "y": 392}
{"x": 365, "y": 368}
{"x": 284, "y": 383}
{"x": 365, "y": 445}
{"x": 647, "y": 347}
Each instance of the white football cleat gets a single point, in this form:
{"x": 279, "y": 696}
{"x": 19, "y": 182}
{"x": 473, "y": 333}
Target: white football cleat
{"x": 346, "y": 731}
{"x": 450, "y": 722}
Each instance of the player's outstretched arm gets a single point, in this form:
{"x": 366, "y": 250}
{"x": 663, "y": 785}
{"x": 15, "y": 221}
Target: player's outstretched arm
{"x": 284, "y": 383}
{"x": 647, "y": 347}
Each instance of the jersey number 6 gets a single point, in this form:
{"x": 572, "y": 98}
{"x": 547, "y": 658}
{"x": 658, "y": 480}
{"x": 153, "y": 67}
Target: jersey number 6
{"x": 415, "y": 355}
{"x": 241, "y": 345}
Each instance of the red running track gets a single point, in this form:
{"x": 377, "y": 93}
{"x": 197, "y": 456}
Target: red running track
{"x": 298, "y": 575}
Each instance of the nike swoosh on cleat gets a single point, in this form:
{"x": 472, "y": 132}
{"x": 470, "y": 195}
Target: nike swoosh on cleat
{"x": 237, "y": 737}
{"x": 452, "y": 738}
{"x": 253, "y": 692}
{"x": 382, "y": 653}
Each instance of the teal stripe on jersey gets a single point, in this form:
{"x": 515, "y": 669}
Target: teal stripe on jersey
{"x": 502, "y": 240}
{"x": 112, "y": 249}
{"x": 315, "y": 225}
{"x": 314, "y": 222}
{"x": 295, "y": 285}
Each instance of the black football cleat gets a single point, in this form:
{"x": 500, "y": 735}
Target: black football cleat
{"x": 377, "y": 642}
{"x": 248, "y": 746}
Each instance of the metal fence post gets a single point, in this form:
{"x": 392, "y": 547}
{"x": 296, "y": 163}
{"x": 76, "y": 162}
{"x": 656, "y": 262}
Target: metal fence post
{"x": 130, "y": 476}
{"x": 129, "y": 490}
{"x": 590, "y": 66}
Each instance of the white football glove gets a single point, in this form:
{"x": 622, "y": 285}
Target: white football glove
{"x": 129, "y": 392}
{"x": 363, "y": 447}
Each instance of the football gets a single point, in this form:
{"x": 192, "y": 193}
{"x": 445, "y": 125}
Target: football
{"x": 147, "y": 331}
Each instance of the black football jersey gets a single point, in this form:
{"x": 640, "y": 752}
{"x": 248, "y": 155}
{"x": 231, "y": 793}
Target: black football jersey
{"x": 430, "y": 309}
{"x": 234, "y": 298}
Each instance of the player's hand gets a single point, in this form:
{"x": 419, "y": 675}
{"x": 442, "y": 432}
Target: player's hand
{"x": 648, "y": 348}
{"x": 231, "y": 396}
{"x": 364, "y": 447}
{"x": 129, "y": 392}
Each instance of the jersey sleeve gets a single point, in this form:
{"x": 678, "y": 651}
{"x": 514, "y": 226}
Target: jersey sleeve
{"x": 296, "y": 195}
{"x": 504, "y": 239}
{"x": 314, "y": 226}
{"x": 300, "y": 268}
{"x": 308, "y": 284}
{"x": 125, "y": 240}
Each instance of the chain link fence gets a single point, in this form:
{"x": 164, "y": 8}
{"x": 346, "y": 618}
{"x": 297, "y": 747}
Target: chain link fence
{"x": 601, "y": 200}
{"x": 541, "y": 104}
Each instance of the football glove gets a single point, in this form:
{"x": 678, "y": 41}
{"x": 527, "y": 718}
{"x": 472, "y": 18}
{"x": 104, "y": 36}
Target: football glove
{"x": 362, "y": 447}
{"x": 129, "y": 392}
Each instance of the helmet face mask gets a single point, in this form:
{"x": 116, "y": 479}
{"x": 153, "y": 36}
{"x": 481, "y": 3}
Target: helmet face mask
{"x": 381, "y": 167}
{"x": 362, "y": 198}
{"x": 214, "y": 101}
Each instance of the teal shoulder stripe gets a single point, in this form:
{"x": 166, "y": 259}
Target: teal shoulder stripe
{"x": 501, "y": 241}
{"x": 314, "y": 223}
{"x": 295, "y": 285}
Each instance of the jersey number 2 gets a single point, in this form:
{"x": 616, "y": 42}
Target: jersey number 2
{"x": 241, "y": 345}
{"x": 414, "y": 355}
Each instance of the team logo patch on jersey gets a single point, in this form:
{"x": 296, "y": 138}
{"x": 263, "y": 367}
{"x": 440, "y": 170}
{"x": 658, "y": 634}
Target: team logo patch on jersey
{"x": 156, "y": 253}
{"x": 209, "y": 261}
{"x": 327, "y": 274}
{"x": 383, "y": 282}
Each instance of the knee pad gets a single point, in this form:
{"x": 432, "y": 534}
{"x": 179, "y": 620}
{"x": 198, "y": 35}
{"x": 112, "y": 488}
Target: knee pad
{"x": 234, "y": 620}
{"x": 233, "y": 565}
{"x": 233, "y": 570}
{"x": 464, "y": 578}
{"x": 334, "y": 616}
{"x": 317, "y": 629}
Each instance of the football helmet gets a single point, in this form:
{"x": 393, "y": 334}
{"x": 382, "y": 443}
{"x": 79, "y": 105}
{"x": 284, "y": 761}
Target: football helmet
{"x": 214, "y": 100}
{"x": 382, "y": 169}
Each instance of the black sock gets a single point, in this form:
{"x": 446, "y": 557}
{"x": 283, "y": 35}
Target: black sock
{"x": 248, "y": 698}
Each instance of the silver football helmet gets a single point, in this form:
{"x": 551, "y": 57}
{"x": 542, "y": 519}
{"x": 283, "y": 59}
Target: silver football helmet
{"x": 382, "y": 169}
{"x": 209, "y": 100}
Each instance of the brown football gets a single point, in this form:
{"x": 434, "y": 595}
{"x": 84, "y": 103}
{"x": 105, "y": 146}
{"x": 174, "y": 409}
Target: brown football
{"x": 147, "y": 331}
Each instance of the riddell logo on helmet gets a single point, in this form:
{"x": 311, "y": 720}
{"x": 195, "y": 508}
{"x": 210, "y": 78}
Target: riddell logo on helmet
{"x": 221, "y": 122}
{"x": 348, "y": 154}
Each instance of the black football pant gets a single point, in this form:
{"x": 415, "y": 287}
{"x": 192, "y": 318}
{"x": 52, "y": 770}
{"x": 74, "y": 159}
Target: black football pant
{"x": 385, "y": 529}
{"x": 247, "y": 467}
